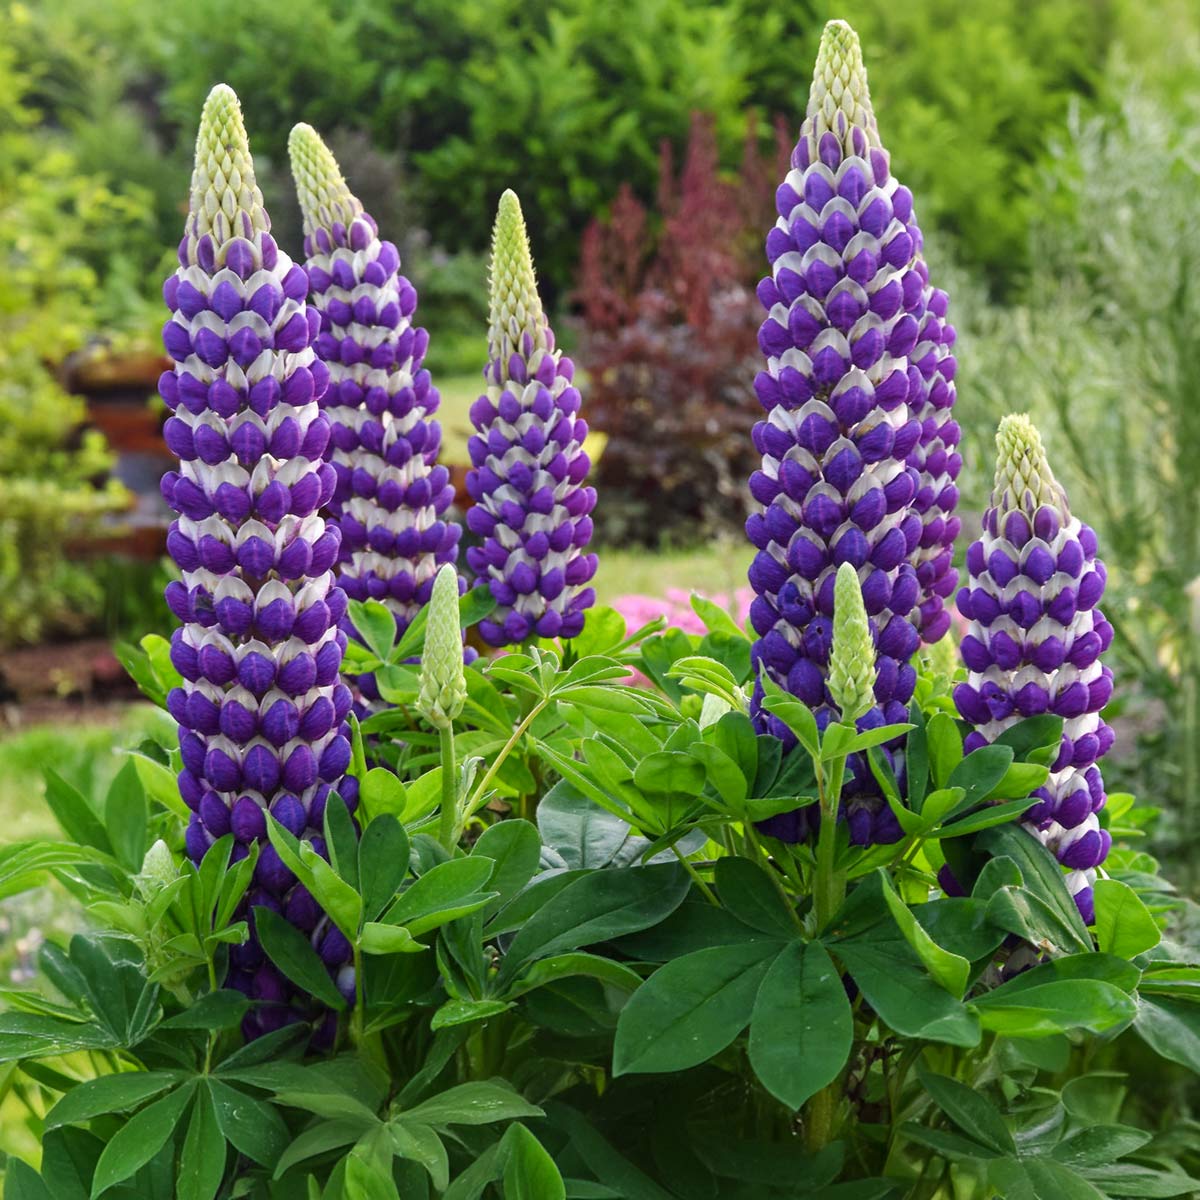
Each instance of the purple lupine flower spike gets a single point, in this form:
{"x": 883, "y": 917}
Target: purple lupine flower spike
{"x": 262, "y": 710}
{"x": 1035, "y": 643}
{"x": 935, "y": 457}
{"x": 528, "y": 463}
{"x": 391, "y": 493}
{"x": 848, "y": 305}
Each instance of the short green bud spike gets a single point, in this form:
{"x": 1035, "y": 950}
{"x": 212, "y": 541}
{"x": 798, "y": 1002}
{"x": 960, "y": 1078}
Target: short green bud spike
{"x": 443, "y": 689}
{"x": 840, "y": 98}
{"x": 158, "y": 870}
{"x": 852, "y": 658}
{"x": 325, "y": 200}
{"x": 1024, "y": 480}
{"x": 225, "y": 200}
{"x": 516, "y": 309}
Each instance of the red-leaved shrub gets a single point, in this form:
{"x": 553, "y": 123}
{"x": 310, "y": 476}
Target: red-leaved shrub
{"x": 669, "y": 341}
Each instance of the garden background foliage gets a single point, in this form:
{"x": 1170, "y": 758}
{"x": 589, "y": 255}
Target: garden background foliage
{"x": 1054, "y": 155}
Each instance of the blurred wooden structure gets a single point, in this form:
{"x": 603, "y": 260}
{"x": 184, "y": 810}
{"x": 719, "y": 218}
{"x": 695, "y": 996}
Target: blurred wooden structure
{"x": 118, "y": 389}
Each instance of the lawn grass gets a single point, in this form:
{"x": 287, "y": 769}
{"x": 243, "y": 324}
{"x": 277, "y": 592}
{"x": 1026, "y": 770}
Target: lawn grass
{"x": 459, "y": 392}
{"x": 719, "y": 567}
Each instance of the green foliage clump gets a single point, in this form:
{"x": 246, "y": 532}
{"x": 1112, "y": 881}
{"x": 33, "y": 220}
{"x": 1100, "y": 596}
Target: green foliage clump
{"x": 49, "y": 298}
{"x": 971, "y": 93}
{"x": 568, "y": 100}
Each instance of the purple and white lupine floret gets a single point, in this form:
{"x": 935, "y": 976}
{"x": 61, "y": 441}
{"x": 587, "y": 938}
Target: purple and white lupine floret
{"x": 848, "y": 305}
{"x": 391, "y": 493}
{"x": 1035, "y": 643}
{"x": 528, "y": 463}
{"x": 261, "y": 710}
{"x": 935, "y": 457}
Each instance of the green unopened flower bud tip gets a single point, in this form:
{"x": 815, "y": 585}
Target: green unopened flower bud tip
{"x": 443, "y": 687}
{"x": 852, "y": 658}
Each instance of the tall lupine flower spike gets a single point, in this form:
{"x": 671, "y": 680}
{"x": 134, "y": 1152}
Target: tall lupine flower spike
{"x": 834, "y": 482}
{"x": 852, "y": 657}
{"x": 1035, "y": 642}
{"x": 391, "y": 491}
{"x": 855, "y": 352}
{"x": 261, "y": 710}
{"x": 527, "y": 479}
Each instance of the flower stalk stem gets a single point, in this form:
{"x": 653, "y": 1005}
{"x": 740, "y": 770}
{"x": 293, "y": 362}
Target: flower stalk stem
{"x": 829, "y": 885}
{"x": 517, "y": 734}
{"x": 448, "y": 828}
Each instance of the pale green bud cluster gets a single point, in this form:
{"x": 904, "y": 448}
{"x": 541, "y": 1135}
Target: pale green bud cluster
{"x": 225, "y": 199}
{"x": 325, "y": 199}
{"x": 1024, "y": 480}
{"x": 158, "y": 870}
{"x": 443, "y": 689}
{"x": 516, "y": 307}
{"x": 852, "y": 657}
{"x": 840, "y": 98}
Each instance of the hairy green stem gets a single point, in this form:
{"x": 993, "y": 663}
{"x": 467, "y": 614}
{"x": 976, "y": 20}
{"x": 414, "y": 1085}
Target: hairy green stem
{"x": 829, "y": 890}
{"x": 829, "y": 887}
{"x": 709, "y": 894}
{"x": 818, "y": 1119}
{"x": 448, "y": 828}
{"x": 359, "y": 1017}
{"x": 517, "y": 734}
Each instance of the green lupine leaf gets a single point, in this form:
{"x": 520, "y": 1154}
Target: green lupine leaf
{"x": 382, "y": 863}
{"x": 691, "y": 1008}
{"x": 950, "y": 970}
{"x": 802, "y": 1030}
{"x": 109, "y": 1094}
{"x": 480, "y": 1103}
{"x": 1056, "y": 1008}
{"x": 746, "y": 890}
{"x": 1171, "y": 1027}
{"x": 293, "y": 954}
{"x": 140, "y": 1139}
{"x": 595, "y": 908}
{"x": 529, "y": 1171}
{"x": 970, "y": 1110}
{"x": 1124, "y": 925}
{"x": 251, "y": 1126}
{"x": 202, "y": 1162}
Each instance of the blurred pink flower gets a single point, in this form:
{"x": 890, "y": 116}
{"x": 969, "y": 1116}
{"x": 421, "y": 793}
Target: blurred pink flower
{"x": 676, "y": 606}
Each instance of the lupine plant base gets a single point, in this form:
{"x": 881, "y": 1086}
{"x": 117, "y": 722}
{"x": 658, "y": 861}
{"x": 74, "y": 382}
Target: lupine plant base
{"x": 812, "y": 913}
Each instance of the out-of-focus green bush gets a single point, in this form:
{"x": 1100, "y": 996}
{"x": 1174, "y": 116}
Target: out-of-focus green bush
{"x": 562, "y": 99}
{"x": 566, "y": 100}
{"x": 102, "y": 159}
{"x": 969, "y": 94}
{"x": 51, "y": 474}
